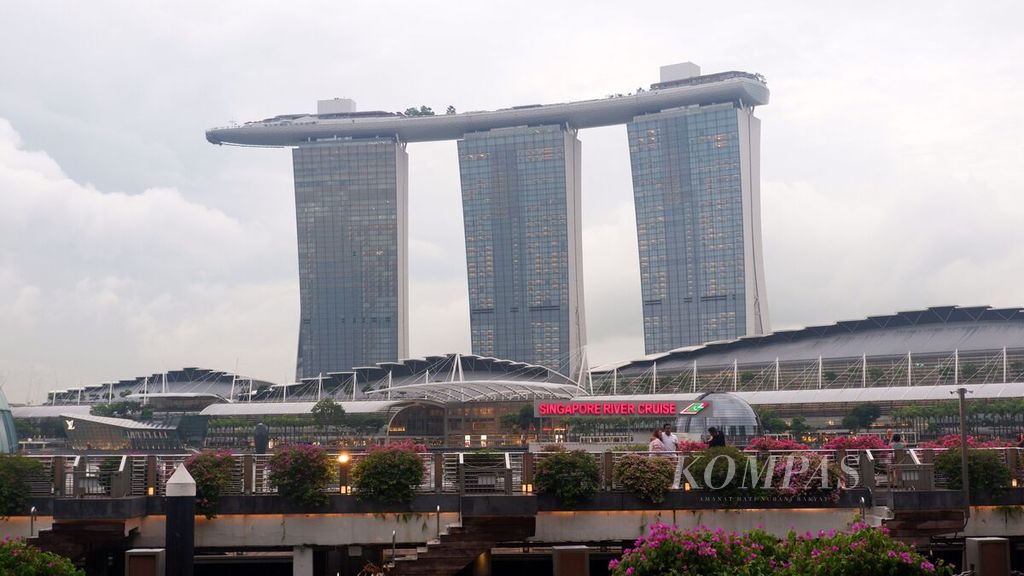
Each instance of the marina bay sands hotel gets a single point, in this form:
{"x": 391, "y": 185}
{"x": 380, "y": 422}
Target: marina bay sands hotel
{"x": 694, "y": 146}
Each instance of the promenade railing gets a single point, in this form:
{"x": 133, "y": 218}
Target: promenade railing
{"x": 461, "y": 472}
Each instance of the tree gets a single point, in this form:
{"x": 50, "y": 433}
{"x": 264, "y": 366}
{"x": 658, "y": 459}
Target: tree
{"x": 421, "y": 111}
{"x": 15, "y": 473}
{"x": 450, "y": 110}
{"x": 327, "y": 412}
{"x": 770, "y": 423}
{"x": 798, "y": 427}
{"x": 123, "y": 409}
{"x": 863, "y": 416}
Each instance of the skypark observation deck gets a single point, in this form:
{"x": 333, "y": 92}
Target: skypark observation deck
{"x": 292, "y": 130}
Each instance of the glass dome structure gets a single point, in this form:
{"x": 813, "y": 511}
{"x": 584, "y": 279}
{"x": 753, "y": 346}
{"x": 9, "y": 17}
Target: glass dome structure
{"x": 8, "y": 438}
{"x": 727, "y": 412}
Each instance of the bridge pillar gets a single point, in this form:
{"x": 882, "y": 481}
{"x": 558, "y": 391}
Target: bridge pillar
{"x": 302, "y": 561}
{"x": 180, "y": 498}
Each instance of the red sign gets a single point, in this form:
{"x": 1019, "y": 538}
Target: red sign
{"x": 590, "y": 408}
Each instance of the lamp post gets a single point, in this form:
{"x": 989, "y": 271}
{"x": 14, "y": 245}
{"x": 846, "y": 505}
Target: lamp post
{"x": 965, "y": 481}
{"x": 343, "y": 463}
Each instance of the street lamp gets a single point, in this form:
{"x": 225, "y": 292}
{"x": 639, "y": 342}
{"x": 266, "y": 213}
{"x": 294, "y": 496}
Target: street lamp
{"x": 343, "y": 461}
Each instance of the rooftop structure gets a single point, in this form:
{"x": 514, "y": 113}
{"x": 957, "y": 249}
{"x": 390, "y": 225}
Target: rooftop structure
{"x": 945, "y": 345}
{"x": 295, "y": 129}
{"x": 194, "y": 382}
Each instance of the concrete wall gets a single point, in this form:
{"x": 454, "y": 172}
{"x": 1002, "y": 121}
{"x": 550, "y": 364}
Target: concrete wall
{"x": 626, "y": 525}
{"x": 240, "y": 530}
{"x": 285, "y": 530}
{"x": 20, "y": 526}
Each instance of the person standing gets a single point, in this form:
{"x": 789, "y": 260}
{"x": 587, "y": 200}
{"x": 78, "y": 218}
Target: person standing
{"x": 717, "y": 437}
{"x": 656, "y": 445}
{"x": 897, "y": 442}
{"x": 669, "y": 439}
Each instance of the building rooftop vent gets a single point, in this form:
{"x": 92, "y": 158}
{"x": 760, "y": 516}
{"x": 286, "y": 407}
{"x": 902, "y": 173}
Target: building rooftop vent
{"x": 682, "y": 71}
{"x": 336, "y": 106}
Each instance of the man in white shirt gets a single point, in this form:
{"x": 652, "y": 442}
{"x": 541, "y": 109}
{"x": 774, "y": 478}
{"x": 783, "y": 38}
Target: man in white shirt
{"x": 668, "y": 438}
{"x": 671, "y": 446}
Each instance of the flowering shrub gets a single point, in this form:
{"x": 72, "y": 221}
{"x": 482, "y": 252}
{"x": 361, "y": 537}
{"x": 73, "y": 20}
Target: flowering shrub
{"x": 986, "y": 472}
{"x": 861, "y": 550}
{"x": 301, "y": 473}
{"x": 856, "y": 443}
{"x": 212, "y": 473}
{"x": 806, "y": 473}
{"x": 765, "y": 443}
{"x": 953, "y": 441}
{"x": 408, "y": 445}
{"x": 688, "y": 446}
{"x": 15, "y": 472}
{"x": 647, "y": 477}
{"x": 667, "y": 550}
{"x": 858, "y": 551}
{"x": 18, "y": 558}
{"x": 570, "y": 476}
{"x": 389, "y": 473}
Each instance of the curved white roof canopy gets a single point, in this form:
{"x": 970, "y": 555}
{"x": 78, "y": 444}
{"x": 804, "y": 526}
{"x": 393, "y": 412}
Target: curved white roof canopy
{"x": 478, "y": 390}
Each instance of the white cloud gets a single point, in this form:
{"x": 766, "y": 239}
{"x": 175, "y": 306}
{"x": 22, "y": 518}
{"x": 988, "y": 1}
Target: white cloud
{"x": 98, "y": 286}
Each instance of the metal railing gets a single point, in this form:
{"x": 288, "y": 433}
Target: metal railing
{"x": 459, "y": 472}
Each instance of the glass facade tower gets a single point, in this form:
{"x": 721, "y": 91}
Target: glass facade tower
{"x": 696, "y": 188}
{"x": 351, "y": 210}
{"x": 521, "y": 206}
{"x": 8, "y": 436}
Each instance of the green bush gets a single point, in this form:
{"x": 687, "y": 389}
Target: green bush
{"x": 630, "y": 448}
{"x": 571, "y": 476}
{"x": 301, "y": 473}
{"x": 212, "y": 473}
{"x": 485, "y": 458}
{"x": 713, "y": 464}
{"x": 20, "y": 559}
{"x": 647, "y": 477}
{"x": 15, "y": 472}
{"x": 389, "y": 473}
{"x": 986, "y": 472}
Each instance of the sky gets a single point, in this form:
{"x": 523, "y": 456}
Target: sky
{"x": 892, "y": 162}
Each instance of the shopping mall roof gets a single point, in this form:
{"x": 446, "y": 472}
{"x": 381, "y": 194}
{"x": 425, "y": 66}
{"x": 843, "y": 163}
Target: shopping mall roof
{"x": 478, "y": 391}
{"x": 297, "y": 408}
{"x": 118, "y": 422}
{"x": 899, "y": 394}
{"x": 940, "y": 329}
{"x": 49, "y": 411}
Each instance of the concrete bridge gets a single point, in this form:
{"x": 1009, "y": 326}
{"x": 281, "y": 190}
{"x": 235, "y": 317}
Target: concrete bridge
{"x": 447, "y": 526}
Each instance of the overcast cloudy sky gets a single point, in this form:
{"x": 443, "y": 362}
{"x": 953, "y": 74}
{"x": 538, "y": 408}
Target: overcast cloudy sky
{"x": 893, "y": 162}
